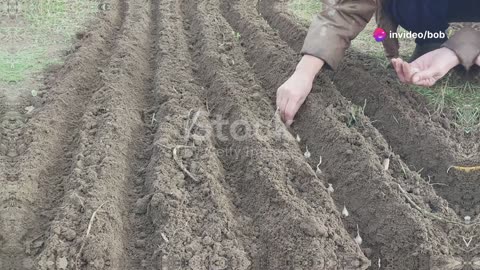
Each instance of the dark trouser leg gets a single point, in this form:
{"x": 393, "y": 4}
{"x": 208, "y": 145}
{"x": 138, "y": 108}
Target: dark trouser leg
{"x": 463, "y": 11}
{"x": 420, "y": 16}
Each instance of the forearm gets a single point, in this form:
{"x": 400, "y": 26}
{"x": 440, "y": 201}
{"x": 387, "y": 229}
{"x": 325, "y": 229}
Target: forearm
{"x": 465, "y": 43}
{"x": 332, "y": 30}
{"x": 309, "y": 66}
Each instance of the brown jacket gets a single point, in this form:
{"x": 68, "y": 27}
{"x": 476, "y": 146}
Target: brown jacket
{"x": 340, "y": 21}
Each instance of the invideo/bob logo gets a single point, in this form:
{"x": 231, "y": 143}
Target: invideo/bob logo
{"x": 380, "y": 35}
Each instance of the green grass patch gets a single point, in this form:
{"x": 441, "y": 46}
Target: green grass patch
{"x": 305, "y": 9}
{"x": 40, "y": 30}
{"x": 458, "y": 97}
{"x": 15, "y": 67}
{"x": 61, "y": 17}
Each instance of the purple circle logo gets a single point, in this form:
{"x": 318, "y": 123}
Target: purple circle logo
{"x": 379, "y": 34}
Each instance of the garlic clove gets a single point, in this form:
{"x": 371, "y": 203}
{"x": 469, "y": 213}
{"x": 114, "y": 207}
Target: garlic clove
{"x": 467, "y": 219}
{"x": 358, "y": 239}
{"x": 386, "y": 164}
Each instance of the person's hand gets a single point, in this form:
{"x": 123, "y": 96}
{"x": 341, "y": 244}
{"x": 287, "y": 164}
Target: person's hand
{"x": 292, "y": 94}
{"x": 477, "y": 62}
{"x": 427, "y": 69}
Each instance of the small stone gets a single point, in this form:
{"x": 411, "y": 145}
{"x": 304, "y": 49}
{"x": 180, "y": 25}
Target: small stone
{"x": 57, "y": 230}
{"x": 62, "y": 263}
{"x": 140, "y": 244}
{"x": 367, "y": 252}
{"x": 207, "y": 240}
{"x": 141, "y": 206}
{"x": 69, "y": 234}
{"x": 37, "y": 244}
{"x": 198, "y": 140}
{"x": 98, "y": 263}
{"x": 322, "y": 231}
{"x": 187, "y": 153}
{"x": 139, "y": 181}
{"x": 308, "y": 228}
{"x": 29, "y": 109}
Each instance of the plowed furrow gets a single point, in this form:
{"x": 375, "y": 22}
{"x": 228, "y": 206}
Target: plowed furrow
{"x": 196, "y": 224}
{"x": 296, "y": 222}
{"x": 96, "y": 226}
{"x": 39, "y": 152}
{"x": 352, "y": 157}
{"x": 430, "y": 146}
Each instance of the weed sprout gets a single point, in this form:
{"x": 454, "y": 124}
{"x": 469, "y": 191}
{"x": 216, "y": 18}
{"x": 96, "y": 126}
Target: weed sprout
{"x": 358, "y": 239}
{"x": 34, "y": 93}
{"x": 330, "y": 188}
{"x": 307, "y": 153}
{"x": 345, "y": 211}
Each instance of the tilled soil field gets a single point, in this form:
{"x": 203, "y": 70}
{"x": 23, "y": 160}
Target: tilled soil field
{"x": 157, "y": 146}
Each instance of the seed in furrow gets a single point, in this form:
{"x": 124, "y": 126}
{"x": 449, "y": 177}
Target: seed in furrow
{"x": 296, "y": 220}
{"x": 95, "y": 225}
{"x": 350, "y": 158}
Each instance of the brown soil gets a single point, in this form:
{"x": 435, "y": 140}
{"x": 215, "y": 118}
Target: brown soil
{"x": 157, "y": 146}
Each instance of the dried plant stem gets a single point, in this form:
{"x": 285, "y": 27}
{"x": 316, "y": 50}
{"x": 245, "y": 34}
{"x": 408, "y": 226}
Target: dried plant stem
{"x": 87, "y": 234}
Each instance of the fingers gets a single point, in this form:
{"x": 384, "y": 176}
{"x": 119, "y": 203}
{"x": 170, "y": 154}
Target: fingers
{"x": 426, "y": 77}
{"x": 291, "y": 110}
{"x": 406, "y": 71}
{"x": 287, "y": 109}
{"x": 281, "y": 105}
{"x": 397, "y": 65}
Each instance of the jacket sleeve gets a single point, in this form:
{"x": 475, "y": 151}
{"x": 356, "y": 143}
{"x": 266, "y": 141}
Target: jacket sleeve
{"x": 465, "y": 42}
{"x": 335, "y": 26}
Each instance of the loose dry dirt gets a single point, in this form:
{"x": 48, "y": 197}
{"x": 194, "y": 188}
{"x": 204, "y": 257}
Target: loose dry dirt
{"x": 157, "y": 146}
